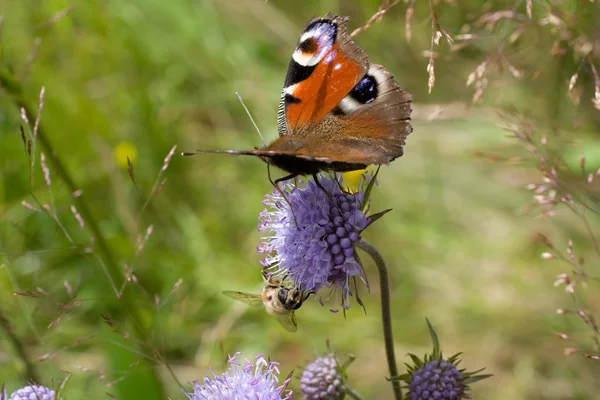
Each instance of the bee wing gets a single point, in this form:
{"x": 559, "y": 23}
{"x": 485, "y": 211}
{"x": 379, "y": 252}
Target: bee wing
{"x": 248, "y": 298}
{"x": 288, "y": 321}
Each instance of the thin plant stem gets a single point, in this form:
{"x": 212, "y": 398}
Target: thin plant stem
{"x": 352, "y": 393}
{"x": 30, "y": 373}
{"x": 386, "y": 314}
{"x": 107, "y": 261}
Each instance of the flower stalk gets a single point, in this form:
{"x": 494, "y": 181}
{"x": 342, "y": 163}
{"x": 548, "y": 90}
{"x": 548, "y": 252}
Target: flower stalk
{"x": 353, "y": 394}
{"x": 386, "y": 317}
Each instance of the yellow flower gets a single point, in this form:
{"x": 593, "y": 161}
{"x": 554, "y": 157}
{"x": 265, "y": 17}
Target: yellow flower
{"x": 351, "y": 180}
{"x": 124, "y": 150}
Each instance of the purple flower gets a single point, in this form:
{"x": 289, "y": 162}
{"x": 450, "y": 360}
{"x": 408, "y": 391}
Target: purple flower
{"x": 438, "y": 379}
{"x": 318, "y": 251}
{"x": 248, "y": 381}
{"x": 33, "y": 392}
{"x": 322, "y": 379}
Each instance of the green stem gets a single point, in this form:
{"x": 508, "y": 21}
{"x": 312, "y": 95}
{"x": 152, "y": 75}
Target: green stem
{"x": 30, "y": 373}
{"x": 111, "y": 268}
{"x": 386, "y": 313}
{"x": 352, "y": 393}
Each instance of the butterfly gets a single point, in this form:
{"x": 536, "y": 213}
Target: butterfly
{"x": 337, "y": 111}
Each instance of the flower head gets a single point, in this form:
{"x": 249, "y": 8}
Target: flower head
{"x": 437, "y": 379}
{"x": 125, "y": 153}
{"x": 33, "y": 392}
{"x": 314, "y": 245}
{"x": 434, "y": 377}
{"x": 322, "y": 379}
{"x": 256, "y": 380}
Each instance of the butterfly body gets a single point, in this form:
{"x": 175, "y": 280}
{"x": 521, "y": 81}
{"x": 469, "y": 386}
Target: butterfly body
{"x": 337, "y": 112}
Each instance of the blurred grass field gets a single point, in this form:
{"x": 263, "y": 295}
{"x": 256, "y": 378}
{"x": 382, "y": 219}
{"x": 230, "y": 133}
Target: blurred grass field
{"x": 133, "y": 79}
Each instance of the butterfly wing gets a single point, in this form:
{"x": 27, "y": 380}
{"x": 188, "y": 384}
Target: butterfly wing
{"x": 337, "y": 112}
{"x": 336, "y": 107}
{"x": 254, "y": 300}
{"x": 370, "y": 125}
{"x": 325, "y": 66}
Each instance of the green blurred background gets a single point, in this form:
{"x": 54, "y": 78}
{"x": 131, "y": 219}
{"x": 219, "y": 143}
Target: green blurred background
{"x": 134, "y": 78}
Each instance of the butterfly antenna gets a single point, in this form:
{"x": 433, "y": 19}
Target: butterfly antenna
{"x": 250, "y": 116}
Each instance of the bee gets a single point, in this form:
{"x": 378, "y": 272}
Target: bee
{"x": 277, "y": 299}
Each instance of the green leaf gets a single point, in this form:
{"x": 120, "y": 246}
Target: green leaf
{"x": 434, "y": 339}
{"x": 477, "y": 378}
{"x": 350, "y": 360}
{"x": 402, "y": 377}
{"x": 62, "y": 387}
{"x": 375, "y": 217}
{"x": 416, "y": 360}
{"x": 369, "y": 188}
{"x": 454, "y": 359}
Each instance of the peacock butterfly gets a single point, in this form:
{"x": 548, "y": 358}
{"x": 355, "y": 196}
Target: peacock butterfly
{"x": 337, "y": 112}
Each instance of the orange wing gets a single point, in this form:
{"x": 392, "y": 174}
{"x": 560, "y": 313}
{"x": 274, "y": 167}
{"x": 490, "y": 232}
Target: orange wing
{"x": 325, "y": 66}
{"x": 368, "y": 126}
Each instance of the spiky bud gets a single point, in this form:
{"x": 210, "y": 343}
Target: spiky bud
{"x": 437, "y": 378}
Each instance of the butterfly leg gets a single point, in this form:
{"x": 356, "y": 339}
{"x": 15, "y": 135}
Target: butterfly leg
{"x": 276, "y": 185}
{"x": 327, "y": 193}
{"x": 339, "y": 183}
